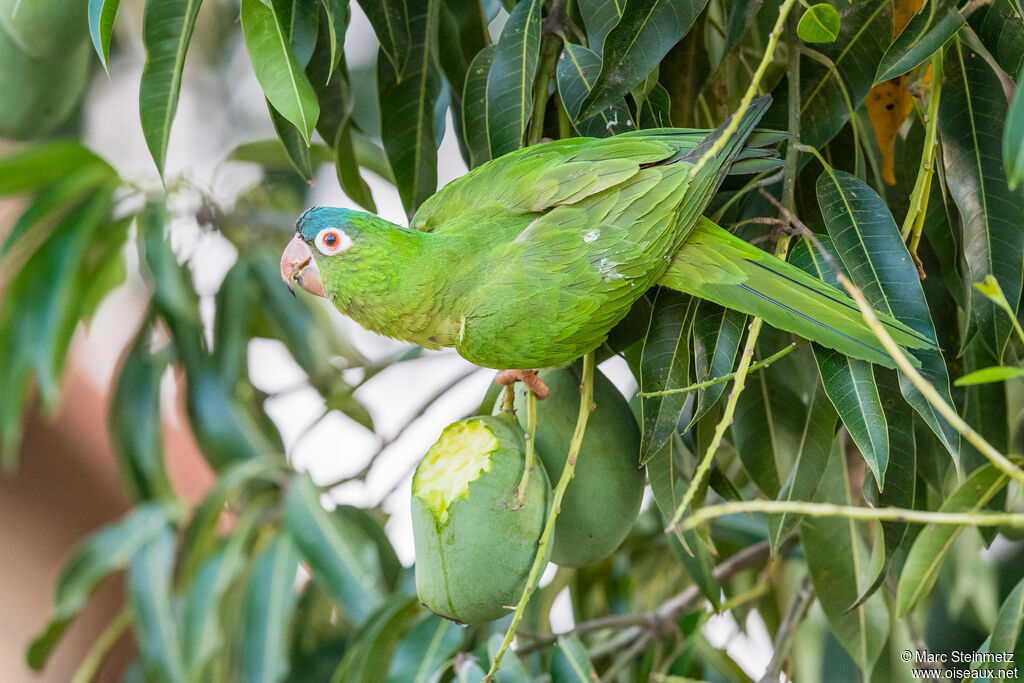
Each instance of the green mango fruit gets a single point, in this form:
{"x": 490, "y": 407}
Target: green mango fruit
{"x": 39, "y": 94}
{"x": 474, "y": 550}
{"x": 604, "y": 497}
{"x": 45, "y": 28}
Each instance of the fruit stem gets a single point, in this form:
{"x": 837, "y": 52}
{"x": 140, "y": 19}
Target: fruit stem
{"x": 531, "y": 430}
{"x": 539, "y": 560}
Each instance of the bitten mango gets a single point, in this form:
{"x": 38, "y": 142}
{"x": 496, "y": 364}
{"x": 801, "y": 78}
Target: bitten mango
{"x": 473, "y": 549}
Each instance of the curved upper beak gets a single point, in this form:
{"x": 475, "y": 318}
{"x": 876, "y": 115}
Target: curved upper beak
{"x": 297, "y": 266}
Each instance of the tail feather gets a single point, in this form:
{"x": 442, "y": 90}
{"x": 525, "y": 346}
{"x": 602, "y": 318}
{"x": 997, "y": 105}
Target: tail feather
{"x": 716, "y": 265}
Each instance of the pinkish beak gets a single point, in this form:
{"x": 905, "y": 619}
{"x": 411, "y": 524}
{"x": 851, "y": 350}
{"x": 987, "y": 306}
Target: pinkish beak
{"x": 297, "y": 266}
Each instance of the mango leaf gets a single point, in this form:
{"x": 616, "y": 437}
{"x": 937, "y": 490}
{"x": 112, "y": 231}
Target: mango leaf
{"x": 150, "y": 578}
{"x": 463, "y": 30}
{"x": 372, "y": 524}
{"x": 809, "y": 463}
{"x": 599, "y": 18}
{"x": 300, "y": 21}
{"x": 767, "y": 430}
{"x": 392, "y": 21}
{"x": 1001, "y": 29}
{"x": 46, "y": 298}
{"x": 269, "y": 602}
{"x": 101, "y": 25}
{"x": 510, "y": 80}
{"x": 202, "y": 631}
{"x": 864, "y": 36}
{"x": 633, "y": 48}
{"x": 166, "y": 32}
{"x": 339, "y": 554}
{"x": 33, "y": 167}
{"x": 1013, "y": 138}
{"x": 972, "y": 114}
{"x": 716, "y": 339}
{"x": 475, "y": 106}
{"x": 407, "y": 102}
{"x": 100, "y": 554}
{"x": 421, "y": 655}
{"x": 577, "y": 70}
{"x": 933, "y": 542}
{"x": 294, "y": 145}
{"x": 571, "y": 662}
{"x": 995, "y": 373}
{"x": 926, "y": 32}
{"x": 136, "y": 423}
{"x": 900, "y": 488}
{"x": 376, "y": 642}
{"x": 838, "y": 562}
{"x": 1006, "y": 634}
{"x": 336, "y": 12}
{"x": 669, "y": 478}
{"x": 278, "y": 70}
{"x": 819, "y": 24}
{"x": 871, "y": 250}
{"x": 664, "y": 365}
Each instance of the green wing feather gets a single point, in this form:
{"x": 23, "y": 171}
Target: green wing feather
{"x": 714, "y": 264}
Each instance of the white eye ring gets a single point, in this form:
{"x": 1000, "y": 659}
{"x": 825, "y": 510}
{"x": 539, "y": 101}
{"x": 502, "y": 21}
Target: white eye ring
{"x": 331, "y": 241}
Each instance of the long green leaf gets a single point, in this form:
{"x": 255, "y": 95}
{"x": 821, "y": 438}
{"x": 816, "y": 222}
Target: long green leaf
{"x": 1008, "y": 630}
{"x": 640, "y": 40}
{"x": 336, "y": 12}
{"x": 166, "y": 32}
{"x": 1013, "y": 138}
{"x": 571, "y": 662}
{"x": 407, "y": 101}
{"x": 101, "y": 26}
{"x": 202, "y": 633}
{"x": 599, "y": 18}
{"x": 873, "y": 253}
{"x": 33, "y": 167}
{"x": 475, "y": 107}
{"x": 664, "y": 365}
{"x": 767, "y": 430}
{"x": 838, "y": 562}
{"x": 102, "y": 553}
{"x": 278, "y": 70}
{"x": 150, "y": 576}
{"x": 136, "y": 423}
{"x": 972, "y": 114}
{"x": 926, "y": 32}
{"x": 1000, "y": 27}
{"x": 716, "y": 339}
{"x": 392, "y": 21}
{"x": 809, "y": 464}
{"x": 339, "y": 554}
{"x": 376, "y": 642}
{"x": 922, "y": 565}
{"x": 421, "y": 655}
{"x": 510, "y": 81}
{"x": 668, "y": 472}
{"x": 294, "y": 145}
{"x": 269, "y": 601}
{"x": 577, "y": 72}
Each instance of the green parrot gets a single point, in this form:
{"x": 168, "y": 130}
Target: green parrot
{"x": 529, "y": 260}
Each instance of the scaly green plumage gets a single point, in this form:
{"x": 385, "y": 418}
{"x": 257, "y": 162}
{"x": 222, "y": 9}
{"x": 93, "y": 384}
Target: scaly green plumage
{"x": 529, "y": 260}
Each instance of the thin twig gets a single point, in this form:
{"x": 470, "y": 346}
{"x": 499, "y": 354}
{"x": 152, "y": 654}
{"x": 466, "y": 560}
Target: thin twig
{"x": 786, "y": 350}
{"x": 886, "y": 514}
{"x": 540, "y": 559}
{"x": 690, "y": 598}
{"x": 795, "y": 613}
{"x": 531, "y": 430}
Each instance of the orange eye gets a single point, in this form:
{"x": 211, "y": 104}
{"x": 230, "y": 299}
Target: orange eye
{"x": 331, "y": 239}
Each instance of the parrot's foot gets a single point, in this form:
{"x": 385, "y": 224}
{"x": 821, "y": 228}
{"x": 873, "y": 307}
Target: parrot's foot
{"x": 529, "y": 379}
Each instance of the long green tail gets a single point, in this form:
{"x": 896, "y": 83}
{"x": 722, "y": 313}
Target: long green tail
{"x": 713, "y": 264}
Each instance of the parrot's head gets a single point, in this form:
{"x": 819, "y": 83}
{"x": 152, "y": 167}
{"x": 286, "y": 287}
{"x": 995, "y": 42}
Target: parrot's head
{"x": 322, "y": 235}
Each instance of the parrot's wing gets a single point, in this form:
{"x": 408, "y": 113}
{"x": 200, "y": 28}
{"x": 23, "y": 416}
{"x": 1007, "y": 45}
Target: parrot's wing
{"x": 565, "y": 172}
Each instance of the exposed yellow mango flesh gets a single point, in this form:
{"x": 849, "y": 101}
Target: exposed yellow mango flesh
{"x": 459, "y": 457}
